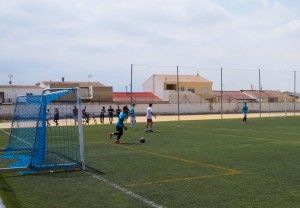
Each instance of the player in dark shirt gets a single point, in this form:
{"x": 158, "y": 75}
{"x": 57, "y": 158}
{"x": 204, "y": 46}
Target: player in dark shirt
{"x": 110, "y": 114}
{"x": 75, "y": 113}
{"x": 118, "y": 111}
{"x": 56, "y": 116}
{"x": 86, "y": 115}
{"x": 102, "y": 114}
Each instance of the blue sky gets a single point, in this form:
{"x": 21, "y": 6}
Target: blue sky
{"x": 45, "y": 40}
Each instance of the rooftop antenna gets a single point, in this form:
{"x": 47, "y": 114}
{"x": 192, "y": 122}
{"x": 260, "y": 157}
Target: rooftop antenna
{"x": 10, "y": 78}
{"x": 89, "y": 77}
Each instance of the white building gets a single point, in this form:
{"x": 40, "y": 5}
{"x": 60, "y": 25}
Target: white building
{"x": 193, "y": 88}
{"x": 9, "y": 93}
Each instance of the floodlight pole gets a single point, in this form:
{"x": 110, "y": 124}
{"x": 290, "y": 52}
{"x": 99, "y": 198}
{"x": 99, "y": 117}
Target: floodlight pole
{"x": 259, "y": 83}
{"x": 221, "y": 93}
{"x": 131, "y": 73}
{"x": 295, "y": 93}
{"x": 178, "y": 106}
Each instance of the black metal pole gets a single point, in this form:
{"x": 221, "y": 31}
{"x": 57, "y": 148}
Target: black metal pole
{"x": 131, "y": 71}
{"x": 221, "y": 93}
{"x": 259, "y": 83}
{"x": 178, "y": 106}
{"x": 294, "y": 93}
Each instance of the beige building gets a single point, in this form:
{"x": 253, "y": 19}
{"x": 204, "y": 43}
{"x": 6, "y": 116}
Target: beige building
{"x": 89, "y": 91}
{"x": 9, "y": 93}
{"x": 160, "y": 84}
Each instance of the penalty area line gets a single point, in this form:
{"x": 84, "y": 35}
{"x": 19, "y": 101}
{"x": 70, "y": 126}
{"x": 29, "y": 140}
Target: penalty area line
{"x": 4, "y": 132}
{"x": 125, "y": 191}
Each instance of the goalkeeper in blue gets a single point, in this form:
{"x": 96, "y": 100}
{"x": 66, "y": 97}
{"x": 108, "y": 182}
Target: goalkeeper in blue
{"x": 245, "y": 111}
{"x": 120, "y": 125}
{"x": 132, "y": 115}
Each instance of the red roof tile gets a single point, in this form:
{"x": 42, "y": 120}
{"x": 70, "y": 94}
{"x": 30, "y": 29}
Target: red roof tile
{"x": 232, "y": 95}
{"x": 265, "y": 93}
{"x": 136, "y": 96}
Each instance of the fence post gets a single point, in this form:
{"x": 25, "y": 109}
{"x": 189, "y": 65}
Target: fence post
{"x": 221, "y": 93}
{"x": 131, "y": 71}
{"x": 178, "y": 107}
{"x": 294, "y": 93}
{"x": 259, "y": 83}
{"x": 285, "y": 110}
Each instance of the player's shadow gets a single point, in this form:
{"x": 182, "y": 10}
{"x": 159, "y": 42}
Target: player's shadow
{"x": 132, "y": 143}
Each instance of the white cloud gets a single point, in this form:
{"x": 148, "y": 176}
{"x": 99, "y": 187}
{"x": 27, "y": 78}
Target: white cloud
{"x": 72, "y": 38}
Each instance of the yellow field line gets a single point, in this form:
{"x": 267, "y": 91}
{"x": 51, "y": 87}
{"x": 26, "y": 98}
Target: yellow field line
{"x": 175, "y": 158}
{"x": 180, "y": 179}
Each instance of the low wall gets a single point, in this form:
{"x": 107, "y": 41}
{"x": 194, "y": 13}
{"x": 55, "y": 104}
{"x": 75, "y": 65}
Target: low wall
{"x": 172, "y": 109}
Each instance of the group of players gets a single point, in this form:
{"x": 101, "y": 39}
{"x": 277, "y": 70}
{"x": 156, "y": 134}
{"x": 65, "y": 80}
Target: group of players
{"x": 120, "y": 126}
{"x": 122, "y": 116}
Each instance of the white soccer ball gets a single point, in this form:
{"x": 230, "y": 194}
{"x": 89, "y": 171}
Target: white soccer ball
{"x": 142, "y": 140}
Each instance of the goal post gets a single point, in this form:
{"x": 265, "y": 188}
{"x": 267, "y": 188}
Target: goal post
{"x": 46, "y": 132}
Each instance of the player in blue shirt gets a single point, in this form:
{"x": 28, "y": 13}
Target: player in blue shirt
{"x": 132, "y": 115}
{"x": 245, "y": 111}
{"x": 120, "y": 125}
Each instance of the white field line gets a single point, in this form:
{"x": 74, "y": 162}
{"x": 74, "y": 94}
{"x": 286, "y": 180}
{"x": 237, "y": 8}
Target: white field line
{"x": 5, "y": 132}
{"x": 162, "y": 118}
{"x": 18, "y": 138}
{"x": 126, "y": 191}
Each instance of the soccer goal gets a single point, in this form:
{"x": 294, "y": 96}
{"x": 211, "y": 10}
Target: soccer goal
{"x": 46, "y": 132}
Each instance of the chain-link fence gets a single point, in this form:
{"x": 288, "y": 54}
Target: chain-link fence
{"x": 219, "y": 92}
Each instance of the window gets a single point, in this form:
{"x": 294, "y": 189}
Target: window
{"x": 191, "y": 90}
{"x": 29, "y": 93}
{"x": 170, "y": 87}
{"x": 273, "y": 100}
{"x": 84, "y": 92}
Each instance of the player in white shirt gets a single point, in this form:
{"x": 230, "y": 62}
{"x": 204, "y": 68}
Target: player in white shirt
{"x": 149, "y": 116}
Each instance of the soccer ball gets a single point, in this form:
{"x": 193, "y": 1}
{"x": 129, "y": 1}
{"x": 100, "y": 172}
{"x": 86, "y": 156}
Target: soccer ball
{"x": 142, "y": 140}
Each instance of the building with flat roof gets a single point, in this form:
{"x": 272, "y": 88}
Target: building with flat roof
{"x": 159, "y": 84}
{"x": 9, "y": 93}
{"x": 89, "y": 91}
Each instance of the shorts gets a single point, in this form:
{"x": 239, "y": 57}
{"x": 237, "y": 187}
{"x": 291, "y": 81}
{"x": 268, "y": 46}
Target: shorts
{"x": 149, "y": 120}
{"x": 120, "y": 130}
{"x": 101, "y": 115}
{"x": 111, "y": 115}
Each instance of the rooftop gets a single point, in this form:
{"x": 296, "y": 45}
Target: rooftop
{"x": 182, "y": 78}
{"x": 232, "y": 95}
{"x": 20, "y": 86}
{"x": 81, "y": 84}
{"x": 138, "y": 97}
{"x": 265, "y": 93}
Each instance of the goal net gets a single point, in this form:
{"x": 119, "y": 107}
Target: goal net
{"x": 46, "y": 132}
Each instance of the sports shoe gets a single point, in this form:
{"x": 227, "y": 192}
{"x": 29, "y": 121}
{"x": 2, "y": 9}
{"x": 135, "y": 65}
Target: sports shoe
{"x": 118, "y": 142}
{"x": 151, "y": 130}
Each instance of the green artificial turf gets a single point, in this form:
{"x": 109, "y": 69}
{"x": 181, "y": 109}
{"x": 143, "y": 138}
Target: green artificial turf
{"x": 217, "y": 163}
